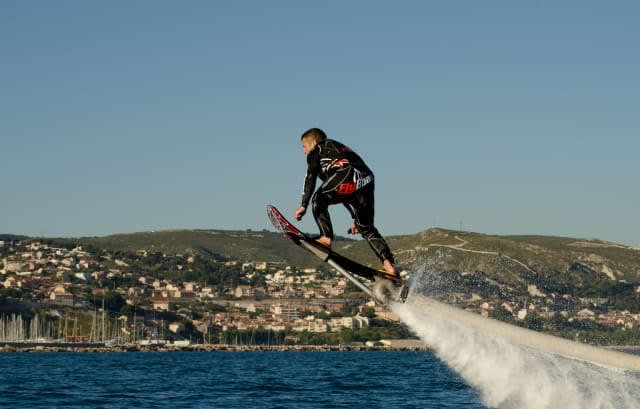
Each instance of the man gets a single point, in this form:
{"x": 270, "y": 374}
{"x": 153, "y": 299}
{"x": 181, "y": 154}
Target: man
{"x": 345, "y": 179}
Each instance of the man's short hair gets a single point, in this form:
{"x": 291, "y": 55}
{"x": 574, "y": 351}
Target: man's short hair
{"x": 316, "y": 133}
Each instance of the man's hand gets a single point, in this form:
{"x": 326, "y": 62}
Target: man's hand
{"x": 300, "y": 211}
{"x": 353, "y": 229}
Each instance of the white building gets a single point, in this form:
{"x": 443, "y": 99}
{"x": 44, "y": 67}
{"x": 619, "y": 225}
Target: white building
{"x": 61, "y": 296}
{"x": 522, "y": 314}
{"x": 349, "y": 322}
{"x": 243, "y": 291}
{"x": 162, "y": 305}
{"x": 285, "y": 312}
{"x": 12, "y": 266}
{"x": 585, "y": 314}
{"x": 176, "y": 327}
{"x": 207, "y": 292}
{"x": 12, "y": 282}
{"x": 83, "y": 276}
{"x": 190, "y": 286}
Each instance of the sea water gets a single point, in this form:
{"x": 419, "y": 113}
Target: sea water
{"x": 231, "y": 380}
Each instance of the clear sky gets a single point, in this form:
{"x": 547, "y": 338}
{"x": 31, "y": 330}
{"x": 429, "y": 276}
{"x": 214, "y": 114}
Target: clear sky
{"x": 505, "y": 117}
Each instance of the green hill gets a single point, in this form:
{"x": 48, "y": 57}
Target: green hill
{"x": 501, "y": 276}
{"x": 511, "y": 260}
{"x": 242, "y": 246}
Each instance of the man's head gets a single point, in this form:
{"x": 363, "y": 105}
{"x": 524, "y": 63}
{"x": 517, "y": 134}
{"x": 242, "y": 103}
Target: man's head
{"x": 311, "y": 138}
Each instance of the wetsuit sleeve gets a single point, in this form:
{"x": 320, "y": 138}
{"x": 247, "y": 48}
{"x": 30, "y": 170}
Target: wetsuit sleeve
{"x": 313, "y": 168}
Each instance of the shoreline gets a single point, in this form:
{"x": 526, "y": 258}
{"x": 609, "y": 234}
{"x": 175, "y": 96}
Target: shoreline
{"x": 22, "y": 347}
{"x": 405, "y": 346}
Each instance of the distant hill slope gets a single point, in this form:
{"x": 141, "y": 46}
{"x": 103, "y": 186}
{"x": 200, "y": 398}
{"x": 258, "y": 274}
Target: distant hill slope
{"x": 11, "y": 237}
{"x": 224, "y": 244}
{"x": 557, "y": 264}
{"x": 508, "y": 259}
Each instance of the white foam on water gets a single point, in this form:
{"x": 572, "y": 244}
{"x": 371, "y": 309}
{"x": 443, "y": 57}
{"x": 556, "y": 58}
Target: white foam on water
{"x": 513, "y": 367}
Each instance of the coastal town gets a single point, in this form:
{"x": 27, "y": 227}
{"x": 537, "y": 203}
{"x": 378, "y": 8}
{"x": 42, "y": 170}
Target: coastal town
{"x": 77, "y": 294}
{"x": 126, "y": 305}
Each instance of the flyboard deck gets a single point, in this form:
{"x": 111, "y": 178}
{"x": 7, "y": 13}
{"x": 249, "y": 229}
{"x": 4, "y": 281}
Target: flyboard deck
{"x": 377, "y": 283}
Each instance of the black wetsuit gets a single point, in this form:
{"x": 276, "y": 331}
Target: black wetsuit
{"x": 345, "y": 179}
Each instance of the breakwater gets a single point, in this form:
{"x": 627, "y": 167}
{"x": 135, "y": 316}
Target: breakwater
{"x": 101, "y": 347}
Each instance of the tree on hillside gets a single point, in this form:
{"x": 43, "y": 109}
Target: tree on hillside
{"x": 113, "y": 301}
{"x": 368, "y": 312}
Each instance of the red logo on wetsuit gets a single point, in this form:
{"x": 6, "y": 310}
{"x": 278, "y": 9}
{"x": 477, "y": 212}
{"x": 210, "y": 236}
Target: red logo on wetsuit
{"x": 346, "y": 188}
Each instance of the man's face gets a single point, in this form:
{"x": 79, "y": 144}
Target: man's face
{"x": 308, "y": 144}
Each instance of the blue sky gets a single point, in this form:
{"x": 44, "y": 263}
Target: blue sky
{"x": 508, "y": 117}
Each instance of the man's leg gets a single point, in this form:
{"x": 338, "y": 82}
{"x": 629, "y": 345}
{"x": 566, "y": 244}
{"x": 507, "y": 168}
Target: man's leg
{"x": 320, "y": 205}
{"x": 331, "y": 192}
{"x": 363, "y": 205}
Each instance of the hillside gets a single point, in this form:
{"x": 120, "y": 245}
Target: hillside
{"x": 554, "y": 263}
{"x": 242, "y": 246}
{"x": 566, "y": 286}
{"x": 521, "y": 255}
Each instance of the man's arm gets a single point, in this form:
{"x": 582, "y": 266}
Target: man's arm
{"x": 313, "y": 168}
{"x": 353, "y": 229}
{"x": 350, "y": 210}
